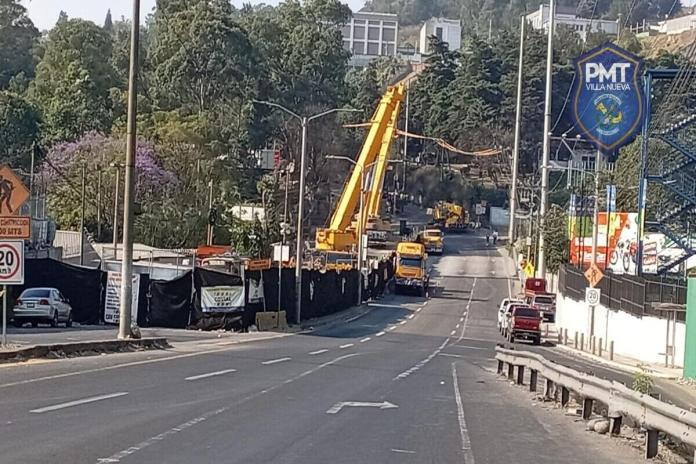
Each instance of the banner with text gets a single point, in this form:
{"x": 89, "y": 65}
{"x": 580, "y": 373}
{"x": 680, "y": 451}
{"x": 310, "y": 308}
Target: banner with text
{"x": 112, "y": 300}
{"x": 222, "y": 299}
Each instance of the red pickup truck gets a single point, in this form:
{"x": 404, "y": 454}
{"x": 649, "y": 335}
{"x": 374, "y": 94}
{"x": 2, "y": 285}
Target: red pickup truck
{"x": 525, "y": 322}
{"x": 536, "y": 296}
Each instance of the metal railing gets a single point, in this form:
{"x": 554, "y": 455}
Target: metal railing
{"x": 645, "y": 411}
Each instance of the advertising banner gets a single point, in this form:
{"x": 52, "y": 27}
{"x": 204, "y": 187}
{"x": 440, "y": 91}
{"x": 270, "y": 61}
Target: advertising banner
{"x": 222, "y": 299}
{"x": 112, "y": 300}
{"x": 617, "y": 242}
{"x": 608, "y": 100}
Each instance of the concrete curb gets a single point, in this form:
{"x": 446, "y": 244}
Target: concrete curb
{"x": 61, "y": 350}
{"x": 613, "y": 364}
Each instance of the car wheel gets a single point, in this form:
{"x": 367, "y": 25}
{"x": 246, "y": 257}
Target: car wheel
{"x": 54, "y": 321}
{"x": 69, "y": 322}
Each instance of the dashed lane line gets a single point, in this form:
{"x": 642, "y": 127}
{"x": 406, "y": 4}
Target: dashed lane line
{"x": 70, "y": 404}
{"x": 347, "y": 345}
{"x": 366, "y": 339}
{"x": 210, "y": 374}
{"x": 275, "y": 361}
{"x": 314, "y": 353}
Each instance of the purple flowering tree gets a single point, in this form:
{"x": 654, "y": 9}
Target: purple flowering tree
{"x": 61, "y": 175}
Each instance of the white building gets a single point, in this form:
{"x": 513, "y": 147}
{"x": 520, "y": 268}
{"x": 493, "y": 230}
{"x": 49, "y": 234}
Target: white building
{"x": 369, "y": 35}
{"x": 677, "y": 25}
{"x": 446, "y": 30}
{"x": 568, "y": 17}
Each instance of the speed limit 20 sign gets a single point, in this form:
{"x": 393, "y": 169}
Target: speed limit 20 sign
{"x": 11, "y": 262}
{"x": 592, "y": 296}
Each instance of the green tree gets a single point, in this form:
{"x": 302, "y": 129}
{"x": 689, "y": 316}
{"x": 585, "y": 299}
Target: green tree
{"x": 18, "y": 36}
{"x": 19, "y": 129}
{"x": 73, "y": 81}
{"x": 556, "y": 234}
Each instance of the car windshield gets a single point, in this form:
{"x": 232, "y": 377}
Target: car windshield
{"x": 410, "y": 262}
{"x": 433, "y": 234}
{"x": 523, "y": 311}
{"x": 544, "y": 300}
{"x": 36, "y": 293}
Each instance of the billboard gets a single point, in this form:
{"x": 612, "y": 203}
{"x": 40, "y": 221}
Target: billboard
{"x": 608, "y": 100}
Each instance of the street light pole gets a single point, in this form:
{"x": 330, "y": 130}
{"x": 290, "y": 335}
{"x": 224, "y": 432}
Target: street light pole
{"x": 541, "y": 256}
{"x": 516, "y": 149}
{"x": 124, "y": 329}
{"x": 82, "y": 219}
{"x": 300, "y": 209}
{"x": 116, "y": 198}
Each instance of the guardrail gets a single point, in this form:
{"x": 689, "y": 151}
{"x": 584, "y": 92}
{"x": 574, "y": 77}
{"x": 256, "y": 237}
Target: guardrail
{"x": 650, "y": 413}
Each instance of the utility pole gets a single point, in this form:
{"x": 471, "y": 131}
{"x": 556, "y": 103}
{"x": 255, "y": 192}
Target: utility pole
{"x": 116, "y": 198}
{"x": 541, "y": 256}
{"x": 516, "y": 149}
{"x": 595, "y": 231}
{"x": 300, "y": 213}
{"x": 32, "y": 204}
{"x": 406, "y": 126}
{"x": 82, "y": 219}
{"x": 209, "y": 239}
{"x": 124, "y": 329}
{"x": 99, "y": 203}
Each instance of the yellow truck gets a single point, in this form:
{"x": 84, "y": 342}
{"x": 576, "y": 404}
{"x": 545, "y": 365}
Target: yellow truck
{"x": 410, "y": 272}
{"x": 432, "y": 240}
{"x": 450, "y": 217}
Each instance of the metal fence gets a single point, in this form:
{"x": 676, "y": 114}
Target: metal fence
{"x": 633, "y": 294}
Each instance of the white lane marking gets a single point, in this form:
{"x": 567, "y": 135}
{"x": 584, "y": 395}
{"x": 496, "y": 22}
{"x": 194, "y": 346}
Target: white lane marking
{"x": 422, "y": 363}
{"x": 470, "y": 347}
{"x": 419, "y": 310}
{"x": 210, "y": 374}
{"x": 336, "y": 408}
{"x": 379, "y": 334}
{"x": 466, "y": 319}
{"x": 463, "y": 430}
{"x": 449, "y": 355}
{"x": 410, "y": 316}
{"x": 424, "y": 304}
{"x": 402, "y": 322}
{"x": 453, "y": 332}
{"x": 391, "y": 328}
{"x": 117, "y": 457}
{"x": 70, "y": 404}
{"x": 347, "y": 345}
{"x": 461, "y": 319}
{"x": 366, "y": 339}
{"x": 318, "y": 352}
{"x": 131, "y": 364}
{"x": 275, "y": 361}
{"x": 397, "y": 450}
{"x": 457, "y": 326}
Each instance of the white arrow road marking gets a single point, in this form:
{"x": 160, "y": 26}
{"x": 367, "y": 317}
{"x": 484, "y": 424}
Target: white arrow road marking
{"x": 274, "y": 361}
{"x": 78, "y": 402}
{"x": 210, "y": 374}
{"x": 336, "y": 408}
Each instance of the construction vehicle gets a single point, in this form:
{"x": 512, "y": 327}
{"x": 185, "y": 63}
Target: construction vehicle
{"x": 410, "y": 272}
{"x": 432, "y": 240}
{"x": 346, "y": 223}
{"x": 450, "y": 217}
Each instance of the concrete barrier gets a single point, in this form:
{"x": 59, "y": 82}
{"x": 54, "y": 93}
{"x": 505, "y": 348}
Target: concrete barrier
{"x": 269, "y": 320}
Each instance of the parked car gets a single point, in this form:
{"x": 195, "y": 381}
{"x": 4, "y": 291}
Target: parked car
{"x": 42, "y": 305}
{"x": 508, "y": 313}
{"x": 502, "y": 308}
{"x": 524, "y": 322}
{"x": 546, "y": 304}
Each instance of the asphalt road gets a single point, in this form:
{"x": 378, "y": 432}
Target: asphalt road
{"x": 410, "y": 382}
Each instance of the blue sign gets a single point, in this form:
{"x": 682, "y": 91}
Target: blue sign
{"x": 611, "y": 198}
{"x": 608, "y": 99}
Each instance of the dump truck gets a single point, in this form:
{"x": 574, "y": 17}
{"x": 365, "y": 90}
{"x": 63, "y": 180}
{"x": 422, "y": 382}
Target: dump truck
{"x": 450, "y": 217}
{"x": 432, "y": 240}
{"x": 410, "y": 272}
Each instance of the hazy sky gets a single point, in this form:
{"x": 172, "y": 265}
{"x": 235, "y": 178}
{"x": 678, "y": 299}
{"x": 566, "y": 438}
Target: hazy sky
{"x": 44, "y": 13}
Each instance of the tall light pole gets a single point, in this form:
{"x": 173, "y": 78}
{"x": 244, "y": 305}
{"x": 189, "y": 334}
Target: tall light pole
{"x": 541, "y": 256}
{"x": 516, "y": 150}
{"x": 118, "y": 168}
{"x": 304, "y": 120}
{"x": 82, "y": 218}
{"x": 124, "y": 329}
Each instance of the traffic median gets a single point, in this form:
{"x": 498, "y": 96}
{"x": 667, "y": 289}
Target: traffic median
{"x": 80, "y": 348}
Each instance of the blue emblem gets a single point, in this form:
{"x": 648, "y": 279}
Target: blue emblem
{"x": 608, "y": 99}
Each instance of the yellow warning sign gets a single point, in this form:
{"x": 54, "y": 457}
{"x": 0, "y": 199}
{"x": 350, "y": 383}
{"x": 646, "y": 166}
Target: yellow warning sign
{"x": 594, "y": 275}
{"x": 13, "y": 193}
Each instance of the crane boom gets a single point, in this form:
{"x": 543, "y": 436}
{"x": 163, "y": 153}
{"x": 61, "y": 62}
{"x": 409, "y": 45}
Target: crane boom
{"x": 337, "y": 236}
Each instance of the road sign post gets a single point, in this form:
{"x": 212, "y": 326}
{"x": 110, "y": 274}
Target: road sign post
{"x": 11, "y": 273}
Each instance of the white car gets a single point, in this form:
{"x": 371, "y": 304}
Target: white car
{"x": 42, "y": 305}
{"x": 504, "y": 306}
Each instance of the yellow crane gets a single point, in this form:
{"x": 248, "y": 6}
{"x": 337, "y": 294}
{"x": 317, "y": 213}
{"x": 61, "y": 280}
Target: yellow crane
{"x": 370, "y": 167}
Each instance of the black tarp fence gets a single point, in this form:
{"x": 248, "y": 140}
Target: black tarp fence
{"x": 177, "y": 303}
{"x": 170, "y": 302}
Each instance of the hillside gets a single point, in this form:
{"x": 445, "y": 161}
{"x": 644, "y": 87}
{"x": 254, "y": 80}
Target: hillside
{"x": 677, "y": 43}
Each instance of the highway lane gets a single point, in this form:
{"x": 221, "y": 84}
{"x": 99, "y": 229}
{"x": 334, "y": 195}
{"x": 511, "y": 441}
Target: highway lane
{"x": 409, "y": 382}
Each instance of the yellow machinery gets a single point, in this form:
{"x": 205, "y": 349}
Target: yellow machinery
{"x": 411, "y": 268}
{"x": 450, "y": 217}
{"x": 371, "y": 166}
